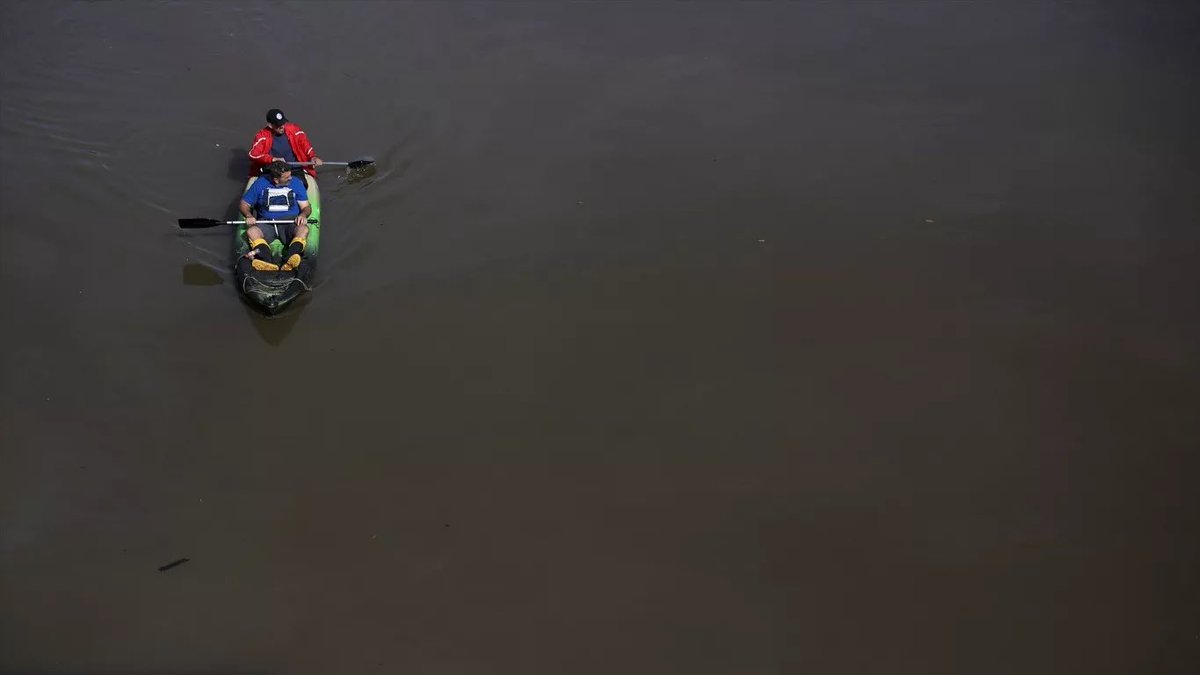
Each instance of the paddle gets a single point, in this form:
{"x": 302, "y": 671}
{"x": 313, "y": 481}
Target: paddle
{"x": 192, "y": 223}
{"x": 356, "y": 164}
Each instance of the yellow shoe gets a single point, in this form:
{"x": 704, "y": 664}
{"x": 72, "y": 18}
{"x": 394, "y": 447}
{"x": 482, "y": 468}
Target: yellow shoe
{"x": 263, "y": 265}
{"x": 292, "y": 255}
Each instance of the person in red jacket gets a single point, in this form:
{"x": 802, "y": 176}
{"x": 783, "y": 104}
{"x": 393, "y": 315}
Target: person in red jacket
{"x": 281, "y": 141}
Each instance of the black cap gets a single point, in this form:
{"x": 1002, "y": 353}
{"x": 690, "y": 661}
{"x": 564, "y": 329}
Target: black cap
{"x": 275, "y": 116}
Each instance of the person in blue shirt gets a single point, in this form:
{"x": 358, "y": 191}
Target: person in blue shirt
{"x": 276, "y": 195}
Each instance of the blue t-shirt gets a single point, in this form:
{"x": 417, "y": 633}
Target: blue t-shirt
{"x": 280, "y": 147}
{"x": 275, "y": 203}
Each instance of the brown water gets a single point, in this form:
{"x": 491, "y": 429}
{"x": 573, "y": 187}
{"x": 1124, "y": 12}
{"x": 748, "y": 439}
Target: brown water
{"x": 707, "y": 338}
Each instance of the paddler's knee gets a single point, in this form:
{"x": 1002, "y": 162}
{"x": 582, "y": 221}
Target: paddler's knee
{"x": 260, "y": 249}
{"x": 302, "y": 232}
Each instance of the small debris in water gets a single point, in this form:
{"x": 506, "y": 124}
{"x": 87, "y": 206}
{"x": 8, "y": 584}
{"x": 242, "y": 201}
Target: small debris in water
{"x": 762, "y": 241}
{"x": 929, "y": 220}
{"x": 176, "y": 563}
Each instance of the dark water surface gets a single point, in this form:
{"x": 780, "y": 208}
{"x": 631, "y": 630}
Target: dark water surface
{"x": 704, "y": 338}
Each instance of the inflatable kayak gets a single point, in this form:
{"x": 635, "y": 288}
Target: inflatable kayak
{"x": 271, "y": 291}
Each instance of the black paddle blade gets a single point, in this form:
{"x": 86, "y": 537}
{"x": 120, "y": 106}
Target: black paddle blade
{"x": 193, "y": 223}
{"x": 360, "y": 163}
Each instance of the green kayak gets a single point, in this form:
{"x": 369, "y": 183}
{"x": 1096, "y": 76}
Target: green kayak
{"x": 272, "y": 291}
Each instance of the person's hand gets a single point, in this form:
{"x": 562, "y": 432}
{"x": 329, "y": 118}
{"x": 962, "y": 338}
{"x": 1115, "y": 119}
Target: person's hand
{"x": 317, "y": 161}
{"x": 301, "y": 220}
{"x": 250, "y": 221}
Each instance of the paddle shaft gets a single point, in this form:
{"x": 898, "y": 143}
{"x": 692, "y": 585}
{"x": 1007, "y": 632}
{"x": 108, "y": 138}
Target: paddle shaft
{"x": 192, "y": 223}
{"x": 266, "y": 222}
{"x": 356, "y": 164}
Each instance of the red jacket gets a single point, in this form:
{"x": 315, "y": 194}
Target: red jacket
{"x": 260, "y": 149}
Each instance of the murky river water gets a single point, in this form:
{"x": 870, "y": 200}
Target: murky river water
{"x": 680, "y": 338}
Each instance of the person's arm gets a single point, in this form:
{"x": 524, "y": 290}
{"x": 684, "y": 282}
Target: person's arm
{"x": 305, "y": 212}
{"x": 247, "y": 213}
{"x": 260, "y": 151}
{"x": 245, "y": 207}
{"x": 306, "y": 149}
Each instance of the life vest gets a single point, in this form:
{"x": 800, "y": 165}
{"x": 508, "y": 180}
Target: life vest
{"x": 273, "y": 201}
